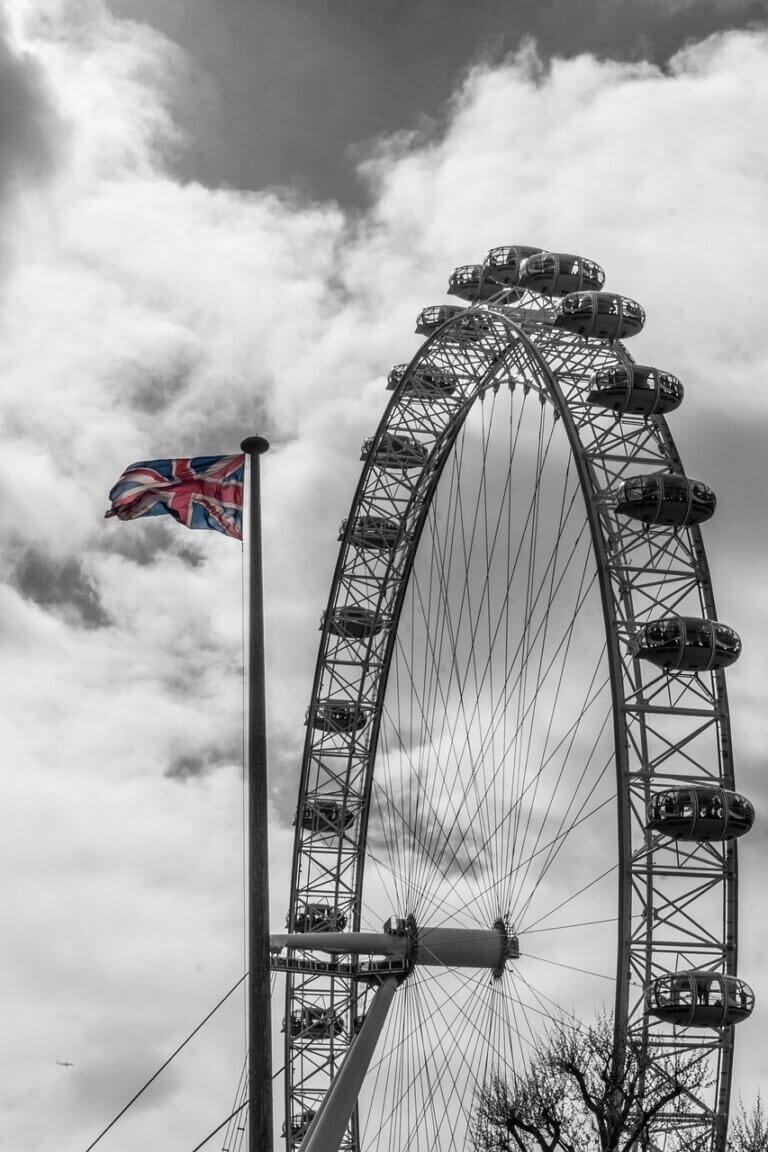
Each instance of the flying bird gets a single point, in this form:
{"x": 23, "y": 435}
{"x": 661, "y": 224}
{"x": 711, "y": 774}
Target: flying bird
{"x": 65, "y": 1063}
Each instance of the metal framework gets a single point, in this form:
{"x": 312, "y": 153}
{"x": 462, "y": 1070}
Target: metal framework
{"x": 676, "y": 905}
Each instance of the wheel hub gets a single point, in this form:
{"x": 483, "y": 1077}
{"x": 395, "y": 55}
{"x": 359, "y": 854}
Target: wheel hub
{"x": 405, "y": 945}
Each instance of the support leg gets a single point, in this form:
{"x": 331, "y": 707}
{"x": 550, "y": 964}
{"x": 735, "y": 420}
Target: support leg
{"x": 326, "y": 1131}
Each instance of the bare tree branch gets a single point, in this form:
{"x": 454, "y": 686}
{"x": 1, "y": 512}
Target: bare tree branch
{"x": 749, "y": 1132}
{"x": 583, "y": 1092}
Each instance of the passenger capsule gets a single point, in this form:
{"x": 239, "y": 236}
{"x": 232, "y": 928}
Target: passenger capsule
{"x": 394, "y": 452}
{"x": 687, "y": 644}
{"x": 318, "y": 918}
{"x": 700, "y": 813}
{"x": 469, "y": 283}
{"x": 298, "y": 1125}
{"x": 557, "y": 274}
{"x": 665, "y": 498}
{"x": 699, "y": 999}
{"x": 424, "y": 382}
{"x": 373, "y": 532}
{"x": 603, "y": 315}
{"x": 468, "y": 327}
{"x": 503, "y": 264}
{"x": 325, "y": 816}
{"x": 339, "y": 716}
{"x": 635, "y": 389}
{"x": 312, "y": 1022}
{"x": 354, "y": 623}
{"x": 432, "y": 318}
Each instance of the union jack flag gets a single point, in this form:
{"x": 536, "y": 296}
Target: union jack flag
{"x": 201, "y": 492}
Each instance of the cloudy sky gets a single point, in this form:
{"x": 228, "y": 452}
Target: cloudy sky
{"x": 222, "y": 219}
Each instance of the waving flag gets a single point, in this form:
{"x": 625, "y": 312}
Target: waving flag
{"x": 201, "y": 492}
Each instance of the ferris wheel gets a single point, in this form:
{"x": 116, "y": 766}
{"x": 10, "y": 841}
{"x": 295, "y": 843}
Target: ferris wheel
{"x": 517, "y": 798}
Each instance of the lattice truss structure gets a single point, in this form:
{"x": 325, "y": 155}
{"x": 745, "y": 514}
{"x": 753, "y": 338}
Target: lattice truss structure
{"x": 670, "y": 729}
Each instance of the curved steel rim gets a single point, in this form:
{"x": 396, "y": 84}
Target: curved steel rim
{"x": 657, "y": 930}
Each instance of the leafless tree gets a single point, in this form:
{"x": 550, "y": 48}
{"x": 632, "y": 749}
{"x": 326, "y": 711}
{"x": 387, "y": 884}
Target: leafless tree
{"x": 749, "y": 1131}
{"x": 583, "y": 1092}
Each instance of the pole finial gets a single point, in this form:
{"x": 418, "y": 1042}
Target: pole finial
{"x": 255, "y": 445}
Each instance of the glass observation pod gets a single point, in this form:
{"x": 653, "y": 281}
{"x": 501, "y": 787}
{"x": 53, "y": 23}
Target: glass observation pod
{"x": 354, "y": 623}
{"x": 603, "y": 315}
{"x": 700, "y": 813}
{"x": 322, "y": 815}
{"x": 313, "y": 1023}
{"x": 558, "y": 273}
{"x": 503, "y": 264}
{"x": 375, "y": 532}
{"x": 424, "y": 382}
{"x": 636, "y": 389}
{"x": 393, "y": 451}
{"x": 699, "y": 999}
{"x": 665, "y": 498}
{"x": 687, "y": 644}
{"x": 298, "y": 1125}
{"x": 339, "y": 716}
{"x": 319, "y": 918}
{"x": 430, "y": 319}
{"x": 470, "y": 283}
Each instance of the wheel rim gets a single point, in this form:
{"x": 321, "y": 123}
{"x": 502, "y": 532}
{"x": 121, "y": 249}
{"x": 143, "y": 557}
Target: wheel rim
{"x": 365, "y": 769}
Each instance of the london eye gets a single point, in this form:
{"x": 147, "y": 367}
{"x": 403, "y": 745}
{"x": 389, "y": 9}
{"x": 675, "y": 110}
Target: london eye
{"x": 517, "y": 798}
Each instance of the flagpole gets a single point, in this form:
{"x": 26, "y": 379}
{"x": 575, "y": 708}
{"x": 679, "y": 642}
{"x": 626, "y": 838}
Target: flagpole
{"x": 259, "y": 1001}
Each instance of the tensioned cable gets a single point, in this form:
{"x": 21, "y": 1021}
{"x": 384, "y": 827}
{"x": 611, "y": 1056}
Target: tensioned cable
{"x": 223, "y": 1124}
{"x": 578, "y": 924}
{"x": 231, "y": 1140}
{"x": 427, "y": 1087}
{"x": 501, "y": 713}
{"x": 496, "y": 883}
{"x": 465, "y": 1077}
{"x": 165, "y": 1064}
{"x": 541, "y": 586}
{"x": 419, "y": 1059}
{"x": 537, "y": 689}
{"x": 520, "y": 881}
{"x": 511, "y": 810}
{"x": 412, "y": 1060}
{"x": 454, "y": 627}
{"x": 571, "y": 967}
{"x": 443, "y": 563}
{"x": 573, "y": 896}
{"x": 473, "y": 619}
{"x": 422, "y": 746}
{"x": 444, "y": 578}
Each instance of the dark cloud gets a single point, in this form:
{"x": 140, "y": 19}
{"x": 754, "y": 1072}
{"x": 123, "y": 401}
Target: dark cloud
{"x": 151, "y": 541}
{"x": 347, "y": 71}
{"x": 63, "y": 585}
{"x": 194, "y": 765}
{"x": 30, "y": 129}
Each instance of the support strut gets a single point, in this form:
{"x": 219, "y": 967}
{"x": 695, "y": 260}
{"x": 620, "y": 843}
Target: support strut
{"x": 326, "y": 1131}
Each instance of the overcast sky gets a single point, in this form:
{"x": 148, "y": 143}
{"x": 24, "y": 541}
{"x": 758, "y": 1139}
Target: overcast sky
{"x": 222, "y": 219}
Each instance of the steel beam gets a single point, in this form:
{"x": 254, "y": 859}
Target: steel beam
{"x": 326, "y": 1131}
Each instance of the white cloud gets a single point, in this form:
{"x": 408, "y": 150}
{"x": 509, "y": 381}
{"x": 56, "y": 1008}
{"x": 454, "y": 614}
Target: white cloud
{"x": 141, "y": 317}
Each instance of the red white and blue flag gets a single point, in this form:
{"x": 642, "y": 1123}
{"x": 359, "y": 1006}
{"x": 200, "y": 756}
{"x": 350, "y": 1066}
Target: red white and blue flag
{"x": 201, "y": 492}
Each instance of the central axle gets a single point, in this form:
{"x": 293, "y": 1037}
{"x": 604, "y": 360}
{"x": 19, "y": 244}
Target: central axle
{"x": 413, "y": 945}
